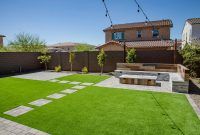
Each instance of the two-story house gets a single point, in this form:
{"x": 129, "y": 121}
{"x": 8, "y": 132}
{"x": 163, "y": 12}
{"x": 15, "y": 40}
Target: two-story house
{"x": 154, "y": 35}
{"x": 191, "y": 31}
{"x": 1, "y": 40}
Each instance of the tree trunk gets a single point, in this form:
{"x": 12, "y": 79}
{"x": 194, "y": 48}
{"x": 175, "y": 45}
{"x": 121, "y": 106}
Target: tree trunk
{"x": 71, "y": 67}
{"x": 45, "y": 66}
{"x": 101, "y": 70}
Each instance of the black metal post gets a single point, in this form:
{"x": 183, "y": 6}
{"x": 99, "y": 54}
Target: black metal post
{"x": 124, "y": 51}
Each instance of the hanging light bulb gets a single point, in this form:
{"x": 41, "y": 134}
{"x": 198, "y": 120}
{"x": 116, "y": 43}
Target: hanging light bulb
{"x": 138, "y": 9}
{"x": 106, "y": 15}
{"x": 146, "y": 23}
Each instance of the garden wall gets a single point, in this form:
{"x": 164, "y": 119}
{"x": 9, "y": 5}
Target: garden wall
{"x": 89, "y": 59}
{"x": 15, "y": 62}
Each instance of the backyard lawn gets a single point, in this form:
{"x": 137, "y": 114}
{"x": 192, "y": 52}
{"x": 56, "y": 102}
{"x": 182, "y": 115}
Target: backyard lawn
{"x": 85, "y": 78}
{"x": 97, "y": 110}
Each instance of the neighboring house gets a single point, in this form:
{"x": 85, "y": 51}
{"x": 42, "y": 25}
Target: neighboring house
{"x": 1, "y": 40}
{"x": 62, "y": 47}
{"x": 191, "y": 31}
{"x": 141, "y": 36}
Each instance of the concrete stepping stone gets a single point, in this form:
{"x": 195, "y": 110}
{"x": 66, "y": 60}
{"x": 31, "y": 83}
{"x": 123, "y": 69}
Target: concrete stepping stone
{"x": 40, "y": 102}
{"x": 87, "y": 84}
{"x": 18, "y": 111}
{"x": 75, "y": 83}
{"x": 64, "y": 82}
{"x": 78, "y": 87}
{"x": 68, "y": 91}
{"x": 54, "y": 80}
{"x": 56, "y": 96}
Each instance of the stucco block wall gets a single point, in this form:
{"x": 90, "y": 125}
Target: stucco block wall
{"x": 196, "y": 31}
{"x": 131, "y": 34}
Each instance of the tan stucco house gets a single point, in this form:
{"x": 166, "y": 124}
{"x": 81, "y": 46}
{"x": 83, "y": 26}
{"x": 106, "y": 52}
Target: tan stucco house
{"x": 154, "y": 35}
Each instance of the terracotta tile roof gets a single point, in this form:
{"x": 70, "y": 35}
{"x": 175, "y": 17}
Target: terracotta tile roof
{"x": 150, "y": 44}
{"x": 166, "y": 22}
{"x": 143, "y": 44}
{"x": 194, "y": 20}
{"x": 2, "y": 35}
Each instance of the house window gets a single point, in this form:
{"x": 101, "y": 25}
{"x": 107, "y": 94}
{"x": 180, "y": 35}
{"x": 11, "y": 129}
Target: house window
{"x": 155, "y": 33}
{"x": 139, "y": 34}
{"x": 118, "y": 36}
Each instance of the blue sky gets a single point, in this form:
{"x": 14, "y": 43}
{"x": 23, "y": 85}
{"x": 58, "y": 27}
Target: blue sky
{"x": 83, "y": 20}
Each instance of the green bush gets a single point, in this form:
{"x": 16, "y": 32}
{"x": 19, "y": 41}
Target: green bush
{"x": 58, "y": 68}
{"x": 191, "y": 58}
{"x": 85, "y": 70}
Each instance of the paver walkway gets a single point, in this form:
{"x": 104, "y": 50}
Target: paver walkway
{"x": 8, "y": 127}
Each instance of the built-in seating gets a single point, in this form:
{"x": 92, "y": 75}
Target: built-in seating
{"x": 135, "y": 73}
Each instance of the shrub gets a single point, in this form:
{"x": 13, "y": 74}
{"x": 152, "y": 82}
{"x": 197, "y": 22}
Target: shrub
{"x": 131, "y": 56}
{"x": 58, "y": 68}
{"x": 85, "y": 70}
{"x": 191, "y": 58}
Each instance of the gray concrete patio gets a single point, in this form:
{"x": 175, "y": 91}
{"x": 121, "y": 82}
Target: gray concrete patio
{"x": 44, "y": 75}
{"x": 165, "y": 86}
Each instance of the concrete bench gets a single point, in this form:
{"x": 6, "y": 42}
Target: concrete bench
{"x": 138, "y": 80}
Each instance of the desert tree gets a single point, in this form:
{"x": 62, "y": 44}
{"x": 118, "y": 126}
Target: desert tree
{"x": 25, "y": 42}
{"x": 131, "y": 55}
{"x": 44, "y": 59}
{"x": 101, "y": 59}
{"x": 71, "y": 59}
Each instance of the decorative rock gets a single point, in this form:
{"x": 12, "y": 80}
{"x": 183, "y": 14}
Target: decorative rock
{"x": 40, "y": 102}
{"x": 56, "y": 96}
{"x": 78, "y": 87}
{"x": 68, "y": 91}
{"x": 18, "y": 111}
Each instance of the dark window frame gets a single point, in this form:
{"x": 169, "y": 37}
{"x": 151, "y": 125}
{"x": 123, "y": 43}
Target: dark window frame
{"x": 155, "y": 33}
{"x": 139, "y": 33}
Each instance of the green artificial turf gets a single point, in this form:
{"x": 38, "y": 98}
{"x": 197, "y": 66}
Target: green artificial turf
{"x": 15, "y": 92}
{"x": 100, "y": 111}
{"x": 85, "y": 78}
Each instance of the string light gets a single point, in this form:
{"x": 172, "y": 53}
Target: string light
{"x": 145, "y": 15}
{"x": 107, "y": 13}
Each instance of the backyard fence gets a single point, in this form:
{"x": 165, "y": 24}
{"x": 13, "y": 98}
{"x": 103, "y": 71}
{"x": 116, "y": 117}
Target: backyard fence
{"x": 15, "y": 62}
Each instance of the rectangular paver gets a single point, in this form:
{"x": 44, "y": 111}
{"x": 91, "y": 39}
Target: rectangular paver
{"x": 40, "y": 102}
{"x": 78, "y": 87}
{"x": 75, "y": 83}
{"x": 18, "y": 111}
{"x": 87, "y": 84}
{"x": 56, "y": 96}
{"x": 64, "y": 82}
{"x": 54, "y": 80}
{"x": 68, "y": 91}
